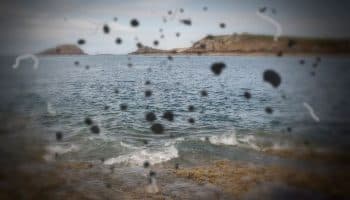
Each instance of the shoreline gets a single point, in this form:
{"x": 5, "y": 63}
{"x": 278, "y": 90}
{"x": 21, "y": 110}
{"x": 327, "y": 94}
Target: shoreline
{"x": 244, "y": 54}
{"x": 209, "y": 54}
{"x": 216, "y": 179}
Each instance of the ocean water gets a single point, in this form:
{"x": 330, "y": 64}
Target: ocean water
{"x": 59, "y": 95}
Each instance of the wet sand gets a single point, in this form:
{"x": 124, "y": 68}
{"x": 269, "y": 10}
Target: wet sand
{"x": 25, "y": 174}
{"x": 239, "y": 179}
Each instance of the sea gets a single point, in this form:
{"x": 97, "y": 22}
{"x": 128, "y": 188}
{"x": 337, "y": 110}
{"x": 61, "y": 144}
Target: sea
{"x": 310, "y": 108}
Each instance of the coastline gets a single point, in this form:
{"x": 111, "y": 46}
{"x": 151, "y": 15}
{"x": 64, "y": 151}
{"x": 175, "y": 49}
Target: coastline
{"x": 217, "y": 179}
{"x": 204, "y": 54}
{"x": 262, "y": 54}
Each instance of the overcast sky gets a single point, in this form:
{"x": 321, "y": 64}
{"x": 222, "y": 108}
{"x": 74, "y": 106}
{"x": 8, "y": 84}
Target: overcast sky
{"x": 30, "y": 26}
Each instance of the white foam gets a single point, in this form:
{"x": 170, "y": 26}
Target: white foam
{"x": 249, "y": 141}
{"x": 140, "y": 156}
{"x": 225, "y": 139}
{"x": 279, "y": 146}
{"x": 50, "y": 109}
{"x": 62, "y": 149}
{"x": 231, "y": 139}
{"x": 174, "y": 141}
{"x": 128, "y": 146}
{"x": 59, "y": 150}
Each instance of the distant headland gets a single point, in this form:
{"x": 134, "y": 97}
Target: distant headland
{"x": 240, "y": 44}
{"x": 65, "y": 49}
{"x": 235, "y": 44}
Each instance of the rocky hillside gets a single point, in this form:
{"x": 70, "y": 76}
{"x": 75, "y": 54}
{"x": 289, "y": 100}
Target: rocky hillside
{"x": 66, "y": 49}
{"x": 259, "y": 44}
{"x": 150, "y": 50}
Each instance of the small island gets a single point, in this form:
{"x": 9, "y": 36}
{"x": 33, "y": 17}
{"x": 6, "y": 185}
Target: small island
{"x": 65, "y": 49}
{"x": 250, "y": 44}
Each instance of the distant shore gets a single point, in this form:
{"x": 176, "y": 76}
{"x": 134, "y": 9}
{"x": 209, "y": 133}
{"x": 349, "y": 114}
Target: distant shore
{"x": 242, "y": 54}
{"x": 235, "y": 45}
{"x": 248, "y": 44}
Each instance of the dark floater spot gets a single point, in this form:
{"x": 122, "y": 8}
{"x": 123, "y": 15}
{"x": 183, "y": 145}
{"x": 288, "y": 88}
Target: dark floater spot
{"x": 88, "y": 121}
{"x": 81, "y": 41}
{"x": 222, "y": 25}
{"x": 146, "y": 164}
{"x": 95, "y": 129}
{"x": 191, "y": 108}
{"x": 152, "y": 173}
{"x": 247, "y": 95}
{"x": 191, "y": 120}
{"x": 123, "y": 107}
{"x": 59, "y": 136}
{"x": 209, "y": 37}
{"x": 272, "y": 77}
{"x": 177, "y": 34}
{"x": 268, "y": 110}
{"x": 118, "y": 41}
{"x": 168, "y": 115}
{"x": 291, "y": 43}
{"x": 148, "y": 83}
{"x": 262, "y": 10}
{"x": 176, "y": 165}
{"x": 150, "y": 116}
{"x": 279, "y": 53}
{"x": 134, "y": 23}
{"x": 155, "y": 42}
{"x": 148, "y": 93}
{"x": 157, "y": 128}
{"x": 217, "y": 68}
{"x": 139, "y": 45}
{"x": 187, "y": 22}
{"x": 106, "y": 29}
{"x": 204, "y": 93}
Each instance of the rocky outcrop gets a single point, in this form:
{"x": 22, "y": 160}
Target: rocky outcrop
{"x": 66, "y": 49}
{"x": 150, "y": 50}
{"x": 258, "y": 44}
